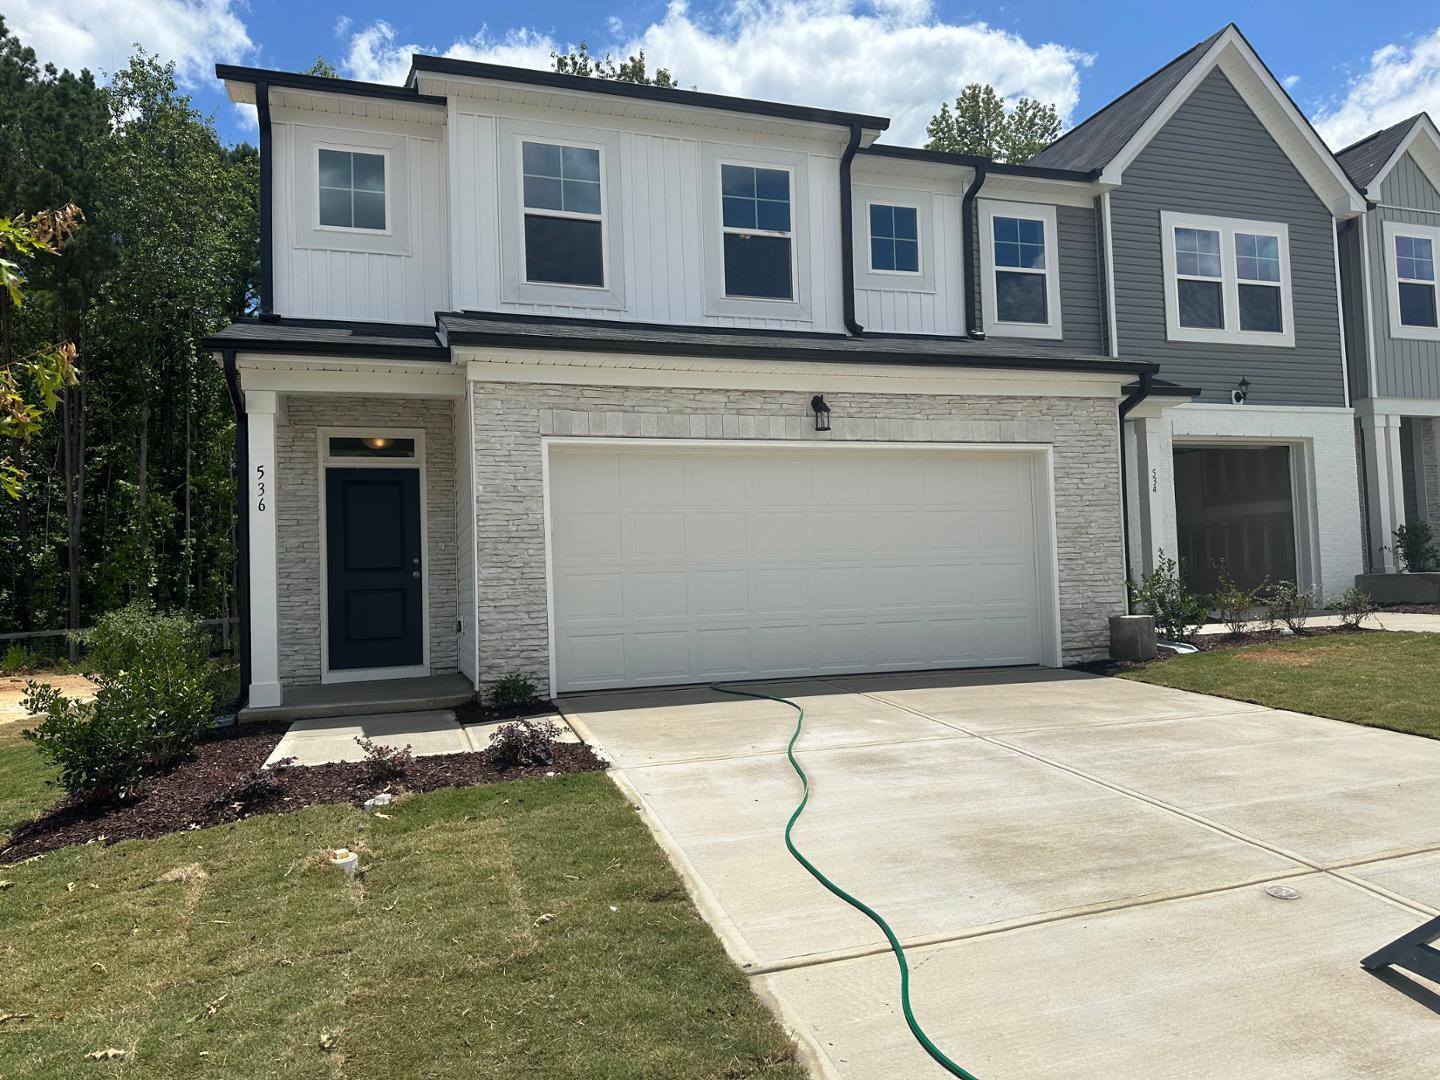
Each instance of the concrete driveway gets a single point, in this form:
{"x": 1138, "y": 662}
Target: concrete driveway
{"x": 1079, "y": 862}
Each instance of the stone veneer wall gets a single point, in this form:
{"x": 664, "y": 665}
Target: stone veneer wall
{"x": 298, "y": 503}
{"x": 511, "y": 419}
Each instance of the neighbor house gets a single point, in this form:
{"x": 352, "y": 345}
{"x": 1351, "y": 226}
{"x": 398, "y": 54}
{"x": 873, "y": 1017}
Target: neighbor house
{"x": 1387, "y": 260}
{"x": 614, "y": 385}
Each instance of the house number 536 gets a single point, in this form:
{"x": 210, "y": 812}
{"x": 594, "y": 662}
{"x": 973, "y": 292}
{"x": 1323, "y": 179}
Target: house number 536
{"x": 260, "y": 488}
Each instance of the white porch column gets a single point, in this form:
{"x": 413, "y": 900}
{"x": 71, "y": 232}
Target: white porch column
{"x": 1384, "y": 486}
{"x": 260, "y": 410}
{"x": 1152, "y": 492}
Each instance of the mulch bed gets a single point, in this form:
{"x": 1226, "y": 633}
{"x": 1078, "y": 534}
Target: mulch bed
{"x": 222, "y": 782}
{"x": 1211, "y": 642}
{"x": 1411, "y": 609}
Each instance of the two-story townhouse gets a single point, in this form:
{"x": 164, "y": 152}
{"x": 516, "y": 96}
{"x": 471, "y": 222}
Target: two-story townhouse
{"x": 1221, "y": 204}
{"x": 1387, "y": 260}
{"x": 568, "y": 377}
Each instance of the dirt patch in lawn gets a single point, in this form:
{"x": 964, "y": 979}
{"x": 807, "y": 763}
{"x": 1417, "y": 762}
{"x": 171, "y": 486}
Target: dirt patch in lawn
{"x": 12, "y": 689}
{"x": 1278, "y": 657}
{"x": 222, "y": 781}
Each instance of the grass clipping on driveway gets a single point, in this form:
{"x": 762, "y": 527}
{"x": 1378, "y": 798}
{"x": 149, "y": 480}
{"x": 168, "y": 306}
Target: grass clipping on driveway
{"x": 1385, "y": 680}
{"x": 524, "y": 929}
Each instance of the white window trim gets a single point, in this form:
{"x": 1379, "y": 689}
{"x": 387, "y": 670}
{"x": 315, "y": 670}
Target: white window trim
{"x": 1389, "y": 231}
{"x": 417, "y": 462}
{"x": 990, "y": 209}
{"x": 788, "y": 234}
{"x": 908, "y": 275}
{"x": 601, "y": 217}
{"x": 1231, "y": 334}
{"x": 374, "y": 151}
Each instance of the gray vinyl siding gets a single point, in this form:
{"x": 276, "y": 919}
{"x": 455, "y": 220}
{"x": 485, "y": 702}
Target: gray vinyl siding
{"x": 1215, "y": 157}
{"x": 1404, "y": 367}
{"x": 1352, "y": 297}
{"x": 1082, "y": 311}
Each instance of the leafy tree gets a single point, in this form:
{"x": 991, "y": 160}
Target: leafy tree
{"x": 632, "y": 70}
{"x": 980, "y": 126}
{"x": 322, "y": 68}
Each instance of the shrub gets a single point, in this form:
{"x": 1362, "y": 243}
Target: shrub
{"x": 1177, "y": 611}
{"x": 525, "y": 742}
{"x": 1415, "y": 544}
{"x": 1290, "y": 605}
{"x": 155, "y": 690}
{"x": 1235, "y": 605}
{"x": 385, "y": 763}
{"x": 513, "y": 692}
{"x": 1354, "y": 606}
{"x": 252, "y": 790}
{"x": 18, "y": 660}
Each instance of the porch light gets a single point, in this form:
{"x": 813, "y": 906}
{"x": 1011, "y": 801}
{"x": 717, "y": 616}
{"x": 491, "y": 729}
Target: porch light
{"x": 376, "y": 442}
{"x": 822, "y": 413}
{"x": 1241, "y": 391}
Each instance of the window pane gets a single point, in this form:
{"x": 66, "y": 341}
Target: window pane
{"x": 540, "y": 159}
{"x": 1019, "y": 242}
{"x": 1260, "y": 308}
{"x": 369, "y": 210}
{"x": 1257, "y": 258}
{"x": 1020, "y": 298}
{"x": 882, "y": 253}
{"x": 737, "y": 180}
{"x": 738, "y": 213}
{"x": 334, "y": 169}
{"x": 580, "y": 163}
{"x": 1032, "y": 232}
{"x": 581, "y": 196}
{"x": 1417, "y": 305}
{"x": 1007, "y": 254}
{"x": 542, "y": 193}
{"x": 369, "y": 172}
{"x": 1197, "y": 252}
{"x": 565, "y": 251}
{"x": 907, "y": 255}
{"x": 335, "y": 208}
{"x": 373, "y": 446}
{"x": 757, "y": 266}
{"x": 1007, "y": 230}
{"x": 772, "y": 215}
{"x": 881, "y": 220}
{"x": 772, "y": 184}
{"x": 1415, "y": 258}
{"x": 1200, "y": 305}
{"x": 907, "y": 226}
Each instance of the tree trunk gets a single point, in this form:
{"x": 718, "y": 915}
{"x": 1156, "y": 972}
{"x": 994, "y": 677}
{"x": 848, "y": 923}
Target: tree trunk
{"x": 24, "y": 616}
{"x": 72, "y": 433}
{"x": 142, "y": 487}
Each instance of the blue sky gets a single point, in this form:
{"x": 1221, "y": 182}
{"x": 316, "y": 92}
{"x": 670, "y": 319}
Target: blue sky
{"x": 1351, "y": 69}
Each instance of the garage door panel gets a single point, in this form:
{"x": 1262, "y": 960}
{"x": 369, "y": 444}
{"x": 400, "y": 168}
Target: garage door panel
{"x": 733, "y": 563}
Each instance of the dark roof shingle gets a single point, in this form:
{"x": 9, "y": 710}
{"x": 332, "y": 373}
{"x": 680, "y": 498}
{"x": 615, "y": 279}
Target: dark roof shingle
{"x": 328, "y": 337}
{"x": 1363, "y": 160}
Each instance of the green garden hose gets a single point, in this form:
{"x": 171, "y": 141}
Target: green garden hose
{"x": 859, "y": 905}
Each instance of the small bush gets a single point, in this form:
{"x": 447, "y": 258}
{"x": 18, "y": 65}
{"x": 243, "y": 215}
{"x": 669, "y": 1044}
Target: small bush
{"x": 1415, "y": 544}
{"x": 385, "y": 763}
{"x": 513, "y": 692}
{"x": 155, "y": 691}
{"x": 1177, "y": 611}
{"x": 1353, "y": 606}
{"x": 18, "y": 660}
{"x": 525, "y": 742}
{"x": 1288, "y": 604}
{"x": 1235, "y": 605}
{"x": 253, "y": 790}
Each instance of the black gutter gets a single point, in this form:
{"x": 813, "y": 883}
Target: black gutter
{"x": 1139, "y": 394}
{"x": 242, "y": 521}
{"x": 974, "y": 316}
{"x": 972, "y": 161}
{"x": 267, "y": 203}
{"x": 321, "y": 84}
{"x": 847, "y": 233}
{"x": 474, "y": 69}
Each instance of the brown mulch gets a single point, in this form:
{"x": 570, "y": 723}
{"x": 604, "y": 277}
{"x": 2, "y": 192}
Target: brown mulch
{"x": 221, "y": 782}
{"x": 1210, "y": 642}
{"x": 1410, "y": 609}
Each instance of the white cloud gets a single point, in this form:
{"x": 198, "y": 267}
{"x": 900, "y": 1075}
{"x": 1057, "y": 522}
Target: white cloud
{"x": 893, "y": 58}
{"x": 1401, "y": 81}
{"x": 246, "y": 118}
{"x": 1290, "y": 81}
{"x": 101, "y": 34}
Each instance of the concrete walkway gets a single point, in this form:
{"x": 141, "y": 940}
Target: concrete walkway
{"x": 1079, "y": 864}
{"x": 323, "y": 740}
{"x": 1385, "y": 620}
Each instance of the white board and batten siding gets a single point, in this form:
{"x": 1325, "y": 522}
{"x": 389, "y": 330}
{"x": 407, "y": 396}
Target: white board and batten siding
{"x": 685, "y": 564}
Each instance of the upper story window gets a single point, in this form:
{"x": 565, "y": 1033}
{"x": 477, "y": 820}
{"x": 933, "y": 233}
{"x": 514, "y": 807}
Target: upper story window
{"x": 894, "y": 239}
{"x": 1226, "y": 280}
{"x": 1019, "y": 267}
{"x": 564, "y": 219}
{"x": 757, "y": 230}
{"x": 351, "y": 190}
{"x": 1415, "y": 280}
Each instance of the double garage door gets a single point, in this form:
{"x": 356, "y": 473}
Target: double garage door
{"x": 688, "y": 564}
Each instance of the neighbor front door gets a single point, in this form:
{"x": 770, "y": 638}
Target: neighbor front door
{"x": 373, "y": 571}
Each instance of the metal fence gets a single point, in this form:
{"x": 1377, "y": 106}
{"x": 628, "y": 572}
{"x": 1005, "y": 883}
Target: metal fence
{"x": 222, "y": 634}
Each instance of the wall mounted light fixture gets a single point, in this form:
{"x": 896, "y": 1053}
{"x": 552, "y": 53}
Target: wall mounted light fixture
{"x": 1241, "y": 391}
{"x": 822, "y": 413}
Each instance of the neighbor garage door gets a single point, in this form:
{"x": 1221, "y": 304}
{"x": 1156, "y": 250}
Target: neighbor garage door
{"x": 675, "y": 565}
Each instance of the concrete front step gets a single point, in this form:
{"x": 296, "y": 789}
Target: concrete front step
{"x": 366, "y": 699}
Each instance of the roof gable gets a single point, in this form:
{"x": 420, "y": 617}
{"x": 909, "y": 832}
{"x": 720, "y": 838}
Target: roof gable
{"x": 1374, "y": 157}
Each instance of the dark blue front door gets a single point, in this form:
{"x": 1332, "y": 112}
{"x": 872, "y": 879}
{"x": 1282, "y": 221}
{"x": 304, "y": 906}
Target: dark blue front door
{"x": 372, "y": 529}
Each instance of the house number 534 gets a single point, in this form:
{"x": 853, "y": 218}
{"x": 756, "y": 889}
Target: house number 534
{"x": 260, "y": 488}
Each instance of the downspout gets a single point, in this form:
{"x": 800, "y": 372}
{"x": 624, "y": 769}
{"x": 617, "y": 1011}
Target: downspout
{"x": 1126, "y": 407}
{"x": 242, "y": 521}
{"x": 975, "y": 317}
{"x": 847, "y": 234}
{"x": 267, "y": 205}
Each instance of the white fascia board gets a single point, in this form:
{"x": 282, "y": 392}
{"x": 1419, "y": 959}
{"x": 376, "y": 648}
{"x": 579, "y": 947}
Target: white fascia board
{"x": 612, "y": 369}
{"x": 1423, "y": 144}
{"x": 1272, "y": 106}
{"x": 1397, "y": 406}
{"x": 302, "y": 375}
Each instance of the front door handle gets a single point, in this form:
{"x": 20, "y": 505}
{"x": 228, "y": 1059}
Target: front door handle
{"x": 415, "y": 574}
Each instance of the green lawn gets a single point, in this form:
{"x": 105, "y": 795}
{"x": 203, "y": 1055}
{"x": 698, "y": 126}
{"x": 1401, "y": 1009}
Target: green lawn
{"x": 23, "y": 788}
{"x": 230, "y": 952}
{"x": 1384, "y": 680}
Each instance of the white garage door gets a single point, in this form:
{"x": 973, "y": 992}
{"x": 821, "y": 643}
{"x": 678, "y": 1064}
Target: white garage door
{"x": 675, "y": 565}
